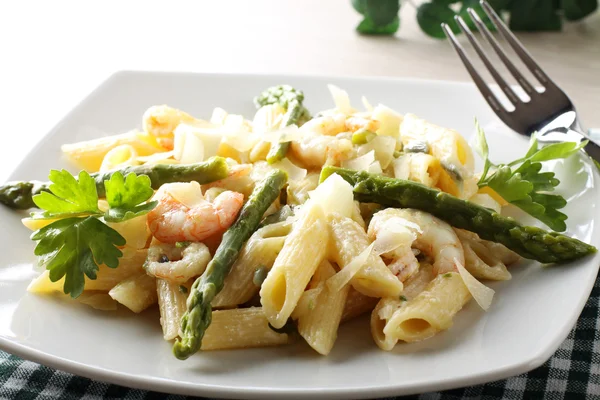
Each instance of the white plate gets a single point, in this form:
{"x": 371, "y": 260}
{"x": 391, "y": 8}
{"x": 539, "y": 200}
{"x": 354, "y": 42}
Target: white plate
{"x": 531, "y": 315}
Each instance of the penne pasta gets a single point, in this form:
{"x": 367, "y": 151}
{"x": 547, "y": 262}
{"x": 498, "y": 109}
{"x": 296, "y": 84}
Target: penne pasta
{"x": 303, "y": 251}
{"x": 135, "y": 231}
{"x": 172, "y": 305}
{"x": 348, "y": 240}
{"x": 319, "y": 324}
{"x": 241, "y": 328}
{"x": 121, "y": 156}
{"x": 90, "y": 154}
{"x": 136, "y": 293}
{"x": 482, "y": 261}
{"x": 258, "y": 253}
{"x": 428, "y": 313}
{"x": 106, "y": 278}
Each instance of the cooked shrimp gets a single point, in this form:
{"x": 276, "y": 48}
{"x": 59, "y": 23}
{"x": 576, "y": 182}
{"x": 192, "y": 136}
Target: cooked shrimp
{"x": 434, "y": 237}
{"x": 356, "y": 123}
{"x": 316, "y": 151}
{"x": 173, "y": 221}
{"x": 162, "y": 120}
{"x": 177, "y": 264}
{"x": 329, "y": 125}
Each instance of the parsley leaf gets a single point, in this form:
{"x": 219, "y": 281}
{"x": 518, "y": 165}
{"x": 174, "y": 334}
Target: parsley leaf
{"x": 380, "y": 16}
{"x": 526, "y": 186}
{"x": 124, "y": 195}
{"x": 72, "y": 247}
{"x": 68, "y": 196}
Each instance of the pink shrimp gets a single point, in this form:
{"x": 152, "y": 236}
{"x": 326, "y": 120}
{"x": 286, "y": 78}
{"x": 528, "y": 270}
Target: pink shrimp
{"x": 172, "y": 221}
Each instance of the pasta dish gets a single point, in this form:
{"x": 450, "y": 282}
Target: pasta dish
{"x": 259, "y": 232}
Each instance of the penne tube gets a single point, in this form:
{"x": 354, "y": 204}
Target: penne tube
{"x": 304, "y": 249}
{"x": 106, "y": 278}
{"x": 121, "y": 156}
{"x": 241, "y": 328}
{"x": 481, "y": 261}
{"x": 319, "y": 324}
{"x": 90, "y": 154}
{"x": 348, "y": 240}
{"x": 412, "y": 320}
{"x": 172, "y": 298}
{"x": 258, "y": 253}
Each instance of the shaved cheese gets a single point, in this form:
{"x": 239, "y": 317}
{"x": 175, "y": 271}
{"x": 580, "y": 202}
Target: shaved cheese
{"x": 334, "y": 195}
{"x": 482, "y": 294}
{"x": 288, "y": 133}
{"x": 157, "y": 157}
{"x": 375, "y": 168}
{"x": 268, "y": 118}
{"x": 218, "y": 116}
{"x": 237, "y": 133}
{"x": 294, "y": 172}
{"x": 384, "y": 147}
{"x": 187, "y": 193}
{"x": 366, "y": 104}
{"x": 241, "y": 141}
{"x": 396, "y": 232}
{"x": 402, "y": 167}
{"x": 389, "y": 121}
{"x": 341, "y": 279}
{"x": 341, "y": 99}
{"x": 485, "y": 200}
{"x": 361, "y": 163}
{"x": 187, "y": 147}
{"x": 189, "y": 135}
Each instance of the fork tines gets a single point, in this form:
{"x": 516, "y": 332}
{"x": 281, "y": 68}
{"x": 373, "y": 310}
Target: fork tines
{"x": 513, "y": 42}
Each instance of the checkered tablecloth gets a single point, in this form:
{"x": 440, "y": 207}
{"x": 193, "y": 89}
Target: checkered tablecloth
{"x": 572, "y": 373}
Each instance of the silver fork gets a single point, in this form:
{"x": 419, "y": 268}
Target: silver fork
{"x": 551, "y": 113}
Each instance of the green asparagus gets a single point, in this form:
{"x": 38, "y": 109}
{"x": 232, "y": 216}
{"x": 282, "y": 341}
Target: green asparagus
{"x": 528, "y": 241}
{"x": 19, "y": 194}
{"x": 199, "y": 312}
{"x": 290, "y": 99}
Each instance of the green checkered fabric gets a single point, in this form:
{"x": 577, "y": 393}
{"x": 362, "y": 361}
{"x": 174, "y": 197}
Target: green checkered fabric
{"x": 572, "y": 373}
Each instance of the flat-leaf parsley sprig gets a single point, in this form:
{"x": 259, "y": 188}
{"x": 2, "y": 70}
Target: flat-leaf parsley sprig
{"x": 75, "y": 244}
{"x": 522, "y": 183}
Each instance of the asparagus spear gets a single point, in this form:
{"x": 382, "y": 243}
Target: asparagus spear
{"x": 199, "y": 312}
{"x": 528, "y": 241}
{"x": 290, "y": 99}
{"x": 19, "y": 194}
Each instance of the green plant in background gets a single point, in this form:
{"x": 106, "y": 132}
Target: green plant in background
{"x": 380, "y": 17}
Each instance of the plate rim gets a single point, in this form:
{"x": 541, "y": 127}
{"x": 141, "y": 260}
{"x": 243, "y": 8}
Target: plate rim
{"x": 186, "y": 388}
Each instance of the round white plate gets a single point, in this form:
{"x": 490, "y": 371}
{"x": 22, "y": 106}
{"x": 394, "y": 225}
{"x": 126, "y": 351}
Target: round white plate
{"x": 531, "y": 314}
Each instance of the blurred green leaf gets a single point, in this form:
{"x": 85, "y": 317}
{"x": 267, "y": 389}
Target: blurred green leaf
{"x": 382, "y": 12}
{"x": 359, "y": 5}
{"x": 431, "y": 15}
{"x": 574, "y": 10}
{"x": 368, "y": 27}
{"x": 534, "y": 15}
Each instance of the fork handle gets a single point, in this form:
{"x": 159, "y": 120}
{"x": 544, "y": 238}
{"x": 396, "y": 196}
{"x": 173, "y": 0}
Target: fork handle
{"x": 593, "y": 150}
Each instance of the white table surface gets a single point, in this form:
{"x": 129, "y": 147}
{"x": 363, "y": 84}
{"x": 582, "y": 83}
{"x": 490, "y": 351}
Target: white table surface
{"x": 55, "y": 52}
